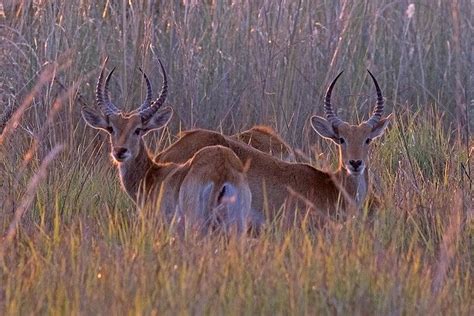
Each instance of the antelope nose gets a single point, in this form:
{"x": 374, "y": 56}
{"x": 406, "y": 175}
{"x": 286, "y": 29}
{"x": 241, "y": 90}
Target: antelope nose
{"x": 355, "y": 164}
{"x": 120, "y": 153}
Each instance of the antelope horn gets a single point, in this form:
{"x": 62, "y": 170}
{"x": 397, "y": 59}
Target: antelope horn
{"x": 378, "y": 109}
{"x": 147, "y": 113}
{"x": 102, "y": 94}
{"x": 149, "y": 93}
{"x": 330, "y": 114}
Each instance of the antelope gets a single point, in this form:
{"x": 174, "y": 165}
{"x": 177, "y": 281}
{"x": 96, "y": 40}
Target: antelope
{"x": 272, "y": 180}
{"x": 209, "y": 189}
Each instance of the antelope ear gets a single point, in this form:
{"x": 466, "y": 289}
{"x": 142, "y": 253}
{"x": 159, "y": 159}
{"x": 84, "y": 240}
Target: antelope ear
{"x": 94, "y": 119}
{"x": 380, "y": 127}
{"x": 159, "y": 120}
{"x": 324, "y": 128}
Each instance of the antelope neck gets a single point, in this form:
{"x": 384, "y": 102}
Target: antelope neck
{"x": 355, "y": 185}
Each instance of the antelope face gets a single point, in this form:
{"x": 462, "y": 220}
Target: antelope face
{"x": 353, "y": 140}
{"x": 127, "y": 129}
{"x": 125, "y": 132}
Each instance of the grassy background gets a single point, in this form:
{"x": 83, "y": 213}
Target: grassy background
{"x": 82, "y": 248}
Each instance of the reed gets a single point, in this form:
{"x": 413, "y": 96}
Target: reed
{"x": 79, "y": 247}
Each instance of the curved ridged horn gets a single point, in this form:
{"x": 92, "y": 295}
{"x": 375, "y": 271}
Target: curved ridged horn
{"x": 146, "y": 114}
{"x": 102, "y": 94}
{"x": 378, "y": 109}
{"x": 149, "y": 93}
{"x": 330, "y": 114}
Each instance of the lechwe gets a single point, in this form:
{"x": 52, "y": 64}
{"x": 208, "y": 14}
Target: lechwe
{"x": 272, "y": 180}
{"x": 208, "y": 188}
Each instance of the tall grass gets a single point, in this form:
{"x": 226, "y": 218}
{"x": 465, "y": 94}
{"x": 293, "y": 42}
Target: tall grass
{"x": 80, "y": 245}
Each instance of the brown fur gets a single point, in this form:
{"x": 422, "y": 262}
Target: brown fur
{"x": 269, "y": 177}
{"x": 208, "y": 189}
{"x": 273, "y": 181}
{"x": 183, "y": 185}
{"x": 265, "y": 139}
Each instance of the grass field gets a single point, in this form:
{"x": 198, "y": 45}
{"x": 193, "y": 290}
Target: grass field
{"x": 73, "y": 243}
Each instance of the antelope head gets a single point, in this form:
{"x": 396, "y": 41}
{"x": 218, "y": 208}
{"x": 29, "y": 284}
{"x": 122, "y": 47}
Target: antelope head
{"x": 127, "y": 129}
{"x": 353, "y": 140}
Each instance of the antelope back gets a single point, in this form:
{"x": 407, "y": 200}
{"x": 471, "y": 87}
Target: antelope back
{"x": 265, "y": 139}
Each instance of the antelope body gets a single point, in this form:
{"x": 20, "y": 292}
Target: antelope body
{"x": 272, "y": 181}
{"x": 207, "y": 190}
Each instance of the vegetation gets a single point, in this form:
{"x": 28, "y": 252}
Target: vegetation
{"x": 73, "y": 243}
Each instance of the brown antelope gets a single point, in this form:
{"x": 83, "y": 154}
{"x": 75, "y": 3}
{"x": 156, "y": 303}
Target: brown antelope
{"x": 209, "y": 188}
{"x": 271, "y": 179}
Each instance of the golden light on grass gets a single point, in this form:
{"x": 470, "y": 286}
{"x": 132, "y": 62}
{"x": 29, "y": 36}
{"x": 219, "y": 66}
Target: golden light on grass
{"x": 73, "y": 243}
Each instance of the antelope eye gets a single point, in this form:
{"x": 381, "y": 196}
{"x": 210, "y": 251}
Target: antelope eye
{"x": 110, "y": 129}
{"x": 368, "y": 140}
{"x": 342, "y": 140}
{"x": 137, "y": 131}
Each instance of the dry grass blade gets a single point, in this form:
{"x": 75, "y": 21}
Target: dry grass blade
{"x": 82, "y": 101}
{"x": 449, "y": 244}
{"x": 73, "y": 243}
{"x": 45, "y": 77}
{"x": 28, "y": 197}
{"x": 5, "y": 117}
